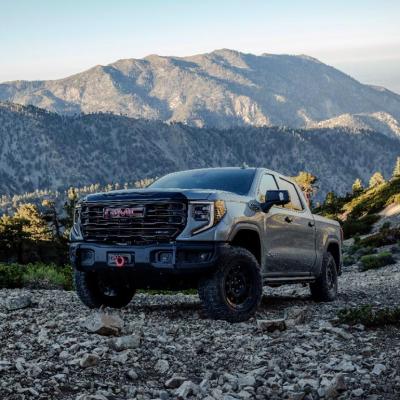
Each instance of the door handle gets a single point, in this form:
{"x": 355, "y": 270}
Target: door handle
{"x": 288, "y": 219}
{"x": 311, "y": 224}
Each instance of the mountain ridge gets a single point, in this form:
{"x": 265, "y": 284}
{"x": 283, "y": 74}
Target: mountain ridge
{"x": 221, "y": 89}
{"x": 43, "y": 150}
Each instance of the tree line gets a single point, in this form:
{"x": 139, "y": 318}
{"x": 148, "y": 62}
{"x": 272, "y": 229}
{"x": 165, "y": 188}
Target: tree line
{"x": 40, "y": 232}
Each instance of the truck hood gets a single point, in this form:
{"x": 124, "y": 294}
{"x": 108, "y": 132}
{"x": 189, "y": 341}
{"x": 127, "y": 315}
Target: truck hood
{"x": 149, "y": 194}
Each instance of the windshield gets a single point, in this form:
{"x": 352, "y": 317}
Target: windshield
{"x": 228, "y": 179}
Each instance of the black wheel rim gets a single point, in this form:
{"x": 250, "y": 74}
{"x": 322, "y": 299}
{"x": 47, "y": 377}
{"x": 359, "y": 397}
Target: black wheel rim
{"x": 107, "y": 290}
{"x": 107, "y": 287}
{"x": 331, "y": 277}
{"x": 237, "y": 286}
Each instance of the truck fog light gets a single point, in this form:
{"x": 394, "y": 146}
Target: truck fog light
{"x": 87, "y": 257}
{"x": 165, "y": 257}
{"x": 204, "y": 256}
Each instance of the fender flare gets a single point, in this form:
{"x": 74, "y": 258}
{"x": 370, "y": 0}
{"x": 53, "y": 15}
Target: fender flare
{"x": 244, "y": 226}
{"x": 334, "y": 240}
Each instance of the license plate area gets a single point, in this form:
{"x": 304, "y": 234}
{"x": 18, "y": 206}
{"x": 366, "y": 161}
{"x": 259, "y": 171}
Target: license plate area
{"x": 120, "y": 260}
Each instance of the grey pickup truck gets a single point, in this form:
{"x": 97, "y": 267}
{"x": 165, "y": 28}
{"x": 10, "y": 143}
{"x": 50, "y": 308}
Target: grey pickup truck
{"x": 225, "y": 231}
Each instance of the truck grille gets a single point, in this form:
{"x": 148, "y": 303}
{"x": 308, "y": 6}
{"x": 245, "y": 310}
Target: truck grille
{"x": 156, "y": 221}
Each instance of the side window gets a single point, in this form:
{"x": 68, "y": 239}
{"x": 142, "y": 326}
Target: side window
{"x": 295, "y": 202}
{"x": 267, "y": 183}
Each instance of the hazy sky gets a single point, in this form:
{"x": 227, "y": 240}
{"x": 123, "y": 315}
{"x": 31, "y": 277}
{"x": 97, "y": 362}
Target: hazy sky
{"x": 48, "y": 39}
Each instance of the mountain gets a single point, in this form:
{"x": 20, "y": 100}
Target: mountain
{"x": 378, "y": 121}
{"x": 221, "y": 89}
{"x": 44, "y": 150}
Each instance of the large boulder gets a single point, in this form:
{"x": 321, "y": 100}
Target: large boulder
{"x": 104, "y": 324}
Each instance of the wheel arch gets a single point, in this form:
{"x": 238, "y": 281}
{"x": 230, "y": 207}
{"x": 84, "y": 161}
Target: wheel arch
{"x": 248, "y": 236}
{"x": 333, "y": 248}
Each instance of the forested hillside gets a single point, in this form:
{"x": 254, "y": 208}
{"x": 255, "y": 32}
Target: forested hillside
{"x": 42, "y": 150}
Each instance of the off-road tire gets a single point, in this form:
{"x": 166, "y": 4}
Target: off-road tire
{"x": 88, "y": 290}
{"x": 213, "y": 288}
{"x": 326, "y": 285}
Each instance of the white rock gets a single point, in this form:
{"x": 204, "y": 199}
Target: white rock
{"x": 174, "y": 382}
{"x": 121, "y": 357}
{"x": 104, "y": 324}
{"x": 335, "y": 387}
{"x": 64, "y": 355}
{"x": 89, "y": 360}
{"x": 246, "y": 380}
{"x": 378, "y": 369}
{"x": 132, "y": 375}
{"x": 271, "y": 325}
{"x": 186, "y": 389}
{"x": 357, "y": 392}
{"x": 162, "y": 366}
{"x": 204, "y": 386}
{"x": 345, "y": 366}
{"x": 125, "y": 342}
{"x": 17, "y": 302}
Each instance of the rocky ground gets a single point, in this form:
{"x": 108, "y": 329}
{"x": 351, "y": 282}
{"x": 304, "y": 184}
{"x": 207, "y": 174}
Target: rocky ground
{"x": 167, "y": 350}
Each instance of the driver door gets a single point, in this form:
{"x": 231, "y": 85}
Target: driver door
{"x": 289, "y": 234}
{"x": 292, "y": 235}
{"x": 273, "y": 229}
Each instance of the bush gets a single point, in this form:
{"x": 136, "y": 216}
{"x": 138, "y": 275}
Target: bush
{"x": 382, "y": 238}
{"x": 349, "y": 260}
{"x": 371, "y": 318}
{"x": 35, "y": 276}
{"x": 372, "y": 261}
{"x": 360, "y": 226}
{"x": 10, "y": 276}
{"x": 364, "y": 251}
{"x": 42, "y": 276}
{"x": 385, "y": 227}
{"x": 395, "y": 249}
{"x": 357, "y": 250}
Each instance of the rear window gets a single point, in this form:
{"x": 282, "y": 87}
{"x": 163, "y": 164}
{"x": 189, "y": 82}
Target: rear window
{"x": 233, "y": 180}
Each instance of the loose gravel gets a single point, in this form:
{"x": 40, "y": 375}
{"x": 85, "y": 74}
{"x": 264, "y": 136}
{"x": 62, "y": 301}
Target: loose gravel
{"x": 166, "y": 349}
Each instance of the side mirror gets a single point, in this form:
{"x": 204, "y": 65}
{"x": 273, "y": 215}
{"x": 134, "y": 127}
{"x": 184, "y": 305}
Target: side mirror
{"x": 275, "y": 198}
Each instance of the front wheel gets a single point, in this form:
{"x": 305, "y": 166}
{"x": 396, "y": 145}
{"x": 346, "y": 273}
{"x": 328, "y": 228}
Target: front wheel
{"x": 99, "y": 289}
{"x": 325, "y": 287}
{"x": 233, "y": 292}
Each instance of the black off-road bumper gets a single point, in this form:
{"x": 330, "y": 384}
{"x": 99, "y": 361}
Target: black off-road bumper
{"x": 179, "y": 257}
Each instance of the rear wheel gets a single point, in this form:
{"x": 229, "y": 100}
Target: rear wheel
{"x": 233, "y": 292}
{"x": 96, "y": 289}
{"x": 325, "y": 287}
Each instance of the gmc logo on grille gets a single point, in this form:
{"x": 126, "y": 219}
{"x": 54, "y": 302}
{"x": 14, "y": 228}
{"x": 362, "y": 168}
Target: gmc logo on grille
{"x": 130, "y": 212}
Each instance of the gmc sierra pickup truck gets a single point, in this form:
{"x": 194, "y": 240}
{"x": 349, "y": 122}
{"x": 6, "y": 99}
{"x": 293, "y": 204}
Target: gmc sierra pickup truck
{"x": 225, "y": 231}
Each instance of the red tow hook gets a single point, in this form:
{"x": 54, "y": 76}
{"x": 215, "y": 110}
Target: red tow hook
{"x": 119, "y": 261}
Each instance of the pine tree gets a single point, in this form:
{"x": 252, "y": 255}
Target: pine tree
{"x": 330, "y": 199}
{"x": 35, "y": 227}
{"x": 307, "y": 183}
{"x": 12, "y": 237}
{"x": 69, "y": 207}
{"x": 357, "y": 186}
{"x": 376, "y": 180}
{"x": 331, "y": 203}
{"x": 396, "y": 171}
{"x": 52, "y": 217}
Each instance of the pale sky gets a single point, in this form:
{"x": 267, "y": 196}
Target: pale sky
{"x": 50, "y": 39}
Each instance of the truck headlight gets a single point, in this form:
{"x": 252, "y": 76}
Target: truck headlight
{"x": 206, "y": 214}
{"x": 77, "y": 214}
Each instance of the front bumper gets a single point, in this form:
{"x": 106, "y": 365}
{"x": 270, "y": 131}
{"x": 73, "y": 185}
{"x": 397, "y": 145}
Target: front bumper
{"x": 178, "y": 257}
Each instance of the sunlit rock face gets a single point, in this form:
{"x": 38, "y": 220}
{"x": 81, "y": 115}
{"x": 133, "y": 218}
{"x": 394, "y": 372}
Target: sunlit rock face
{"x": 221, "y": 89}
